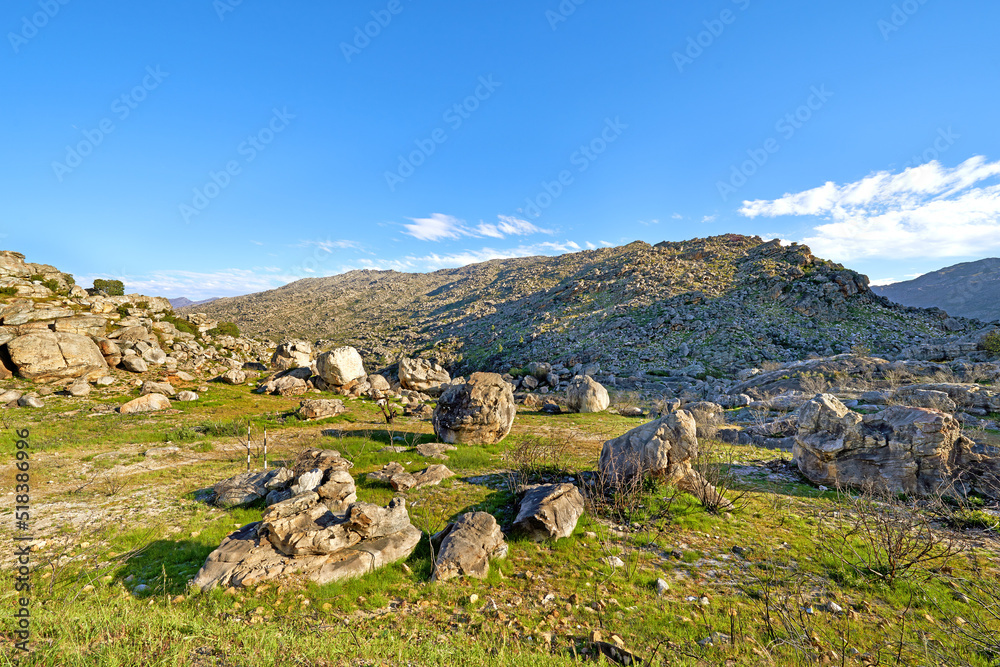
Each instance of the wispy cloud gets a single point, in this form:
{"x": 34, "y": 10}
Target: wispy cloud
{"x": 439, "y": 227}
{"x": 330, "y": 246}
{"x": 925, "y": 211}
{"x": 435, "y": 261}
{"x": 709, "y": 218}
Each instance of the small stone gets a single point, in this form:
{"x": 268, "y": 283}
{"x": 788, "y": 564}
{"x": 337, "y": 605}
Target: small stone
{"x": 473, "y": 599}
{"x": 662, "y": 587}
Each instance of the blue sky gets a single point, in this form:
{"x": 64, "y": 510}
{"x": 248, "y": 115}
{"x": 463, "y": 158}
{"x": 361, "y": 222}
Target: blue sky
{"x": 200, "y": 148}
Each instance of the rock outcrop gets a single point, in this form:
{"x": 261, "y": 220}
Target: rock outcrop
{"x": 321, "y": 408}
{"x": 302, "y": 536}
{"x": 917, "y": 451}
{"x": 292, "y": 354}
{"x": 422, "y": 375}
{"x": 48, "y": 356}
{"x": 467, "y": 545}
{"x": 480, "y": 411}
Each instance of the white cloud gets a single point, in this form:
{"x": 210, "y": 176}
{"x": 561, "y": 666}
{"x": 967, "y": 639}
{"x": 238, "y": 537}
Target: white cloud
{"x": 925, "y": 211}
{"x": 330, "y": 246}
{"x": 645, "y": 223}
{"x": 440, "y": 226}
{"x": 708, "y": 218}
{"x": 677, "y": 216}
{"x": 435, "y": 261}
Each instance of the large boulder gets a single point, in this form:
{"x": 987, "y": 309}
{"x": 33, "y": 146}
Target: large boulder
{"x": 147, "y": 403}
{"x": 234, "y": 377}
{"x": 664, "y": 448}
{"x": 480, "y": 411}
{"x": 321, "y": 408}
{"x": 422, "y": 375}
{"x": 901, "y": 449}
{"x": 585, "y": 394}
{"x": 467, "y": 546}
{"x": 340, "y": 367}
{"x": 300, "y": 536}
{"x": 48, "y": 356}
{"x": 549, "y": 511}
{"x": 292, "y": 354}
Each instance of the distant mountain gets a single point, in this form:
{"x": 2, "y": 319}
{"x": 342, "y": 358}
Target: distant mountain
{"x": 970, "y": 289}
{"x": 184, "y": 302}
{"x": 726, "y": 302}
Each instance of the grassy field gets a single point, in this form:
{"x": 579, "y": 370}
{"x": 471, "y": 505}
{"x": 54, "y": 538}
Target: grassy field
{"x": 782, "y": 580}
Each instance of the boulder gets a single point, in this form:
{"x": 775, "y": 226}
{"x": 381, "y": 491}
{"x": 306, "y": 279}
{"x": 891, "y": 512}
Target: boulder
{"x": 134, "y": 363}
{"x": 292, "y": 354}
{"x": 321, "y": 408}
{"x": 379, "y": 384}
{"x": 585, "y": 394}
{"x": 47, "y": 356}
{"x": 422, "y": 375}
{"x": 467, "y": 546}
{"x": 340, "y": 367}
{"x": 187, "y": 396}
{"x": 916, "y": 451}
{"x": 151, "y": 387}
{"x": 539, "y": 370}
{"x": 244, "y": 488}
{"x": 302, "y": 537}
{"x": 283, "y": 385}
{"x": 147, "y": 403}
{"x": 435, "y": 450}
{"x": 79, "y": 389}
{"x": 396, "y": 476}
{"x": 708, "y": 417}
{"x": 234, "y": 377}
{"x": 480, "y": 411}
{"x": 549, "y": 511}
{"x": 29, "y": 401}
{"x": 664, "y": 448}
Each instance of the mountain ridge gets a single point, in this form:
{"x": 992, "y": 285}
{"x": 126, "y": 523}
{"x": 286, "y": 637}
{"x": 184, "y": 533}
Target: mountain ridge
{"x": 967, "y": 289}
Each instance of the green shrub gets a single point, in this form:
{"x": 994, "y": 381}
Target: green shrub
{"x": 123, "y": 309}
{"x": 181, "y": 324}
{"x": 110, "y": 287}
{"x": 52, "y": 284}
{"x": 8, "y": 291}
{"x": 225, "y": 329}
{"x": 143, "y": 304}
{"x": 991, "y": 343}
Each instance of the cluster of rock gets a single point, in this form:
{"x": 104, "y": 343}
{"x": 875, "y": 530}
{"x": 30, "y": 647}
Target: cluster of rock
{"x": 315, "y": 528}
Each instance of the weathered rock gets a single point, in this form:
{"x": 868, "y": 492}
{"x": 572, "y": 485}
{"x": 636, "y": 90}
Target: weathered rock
{"x": 467, "y": 545}
{"x": 9, "y": 396}
{"x": 147, "y": 403}
{"x": 79, "y": 389}
{"x": 539, "y": 370}
{"x": 396, "y": 476}
{"x": 338, "y": 490}
{"x": 585, "y": 394}
{"x": 423, "y": 375}
{"x": 185, "y": 377}
{"x": 708, "y": 417}
{"x": 187, "y": 396}
{"x": 243, "y": 489}
{"x": 292, "y": 354}
{"x": 151, "y": 387}
{"x": 134, "y": 363}
{"x": 549, "y": 511}
{"x": 283, "y": 385}
{"x": 663, "y": 448}
{"x": 480, "y": 411}
{"x": 340, "y": 367}
{"x": 321, "y": 408}
{"x": 379, "y": 384}
{"x": 246, "y": 558}
{"x": 234, "y": 377}
{"x": 29, "y": 401}
{"x": 155, "y": 356}
{"x": 46, "y": 356}
{"x": 307, "y": 481}
{"x": 435, "y": 450}
{"x": 908, "y": 450}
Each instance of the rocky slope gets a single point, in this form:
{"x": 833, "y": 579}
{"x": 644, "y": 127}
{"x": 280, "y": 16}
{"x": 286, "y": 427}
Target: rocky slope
{"x": 716, "y": 304}
{"x": 970, "y": 289}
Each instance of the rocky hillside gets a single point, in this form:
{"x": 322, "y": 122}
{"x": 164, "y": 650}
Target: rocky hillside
{"x": 706, "y": 305}
{"x": 970, "y": 289}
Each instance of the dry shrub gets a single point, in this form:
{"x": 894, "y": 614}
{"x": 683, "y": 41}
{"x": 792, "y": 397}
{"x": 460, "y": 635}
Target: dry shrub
{"x": 883, "y": 538}
{"x": 532, "y": 458}
{"x": 813, "y": 383}
{"x": 716, "y": 486}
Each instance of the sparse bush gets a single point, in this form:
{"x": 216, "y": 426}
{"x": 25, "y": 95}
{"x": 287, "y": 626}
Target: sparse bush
{"x": 225, "y": 329}
{"x": 8, "y": 291}
{"x": 532, "y": 458}
{"x": 881, "y": 537}
{"x": 181, "y": 324}
{"x": 991, "y": 343}
{"x": 110, "y": 287}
